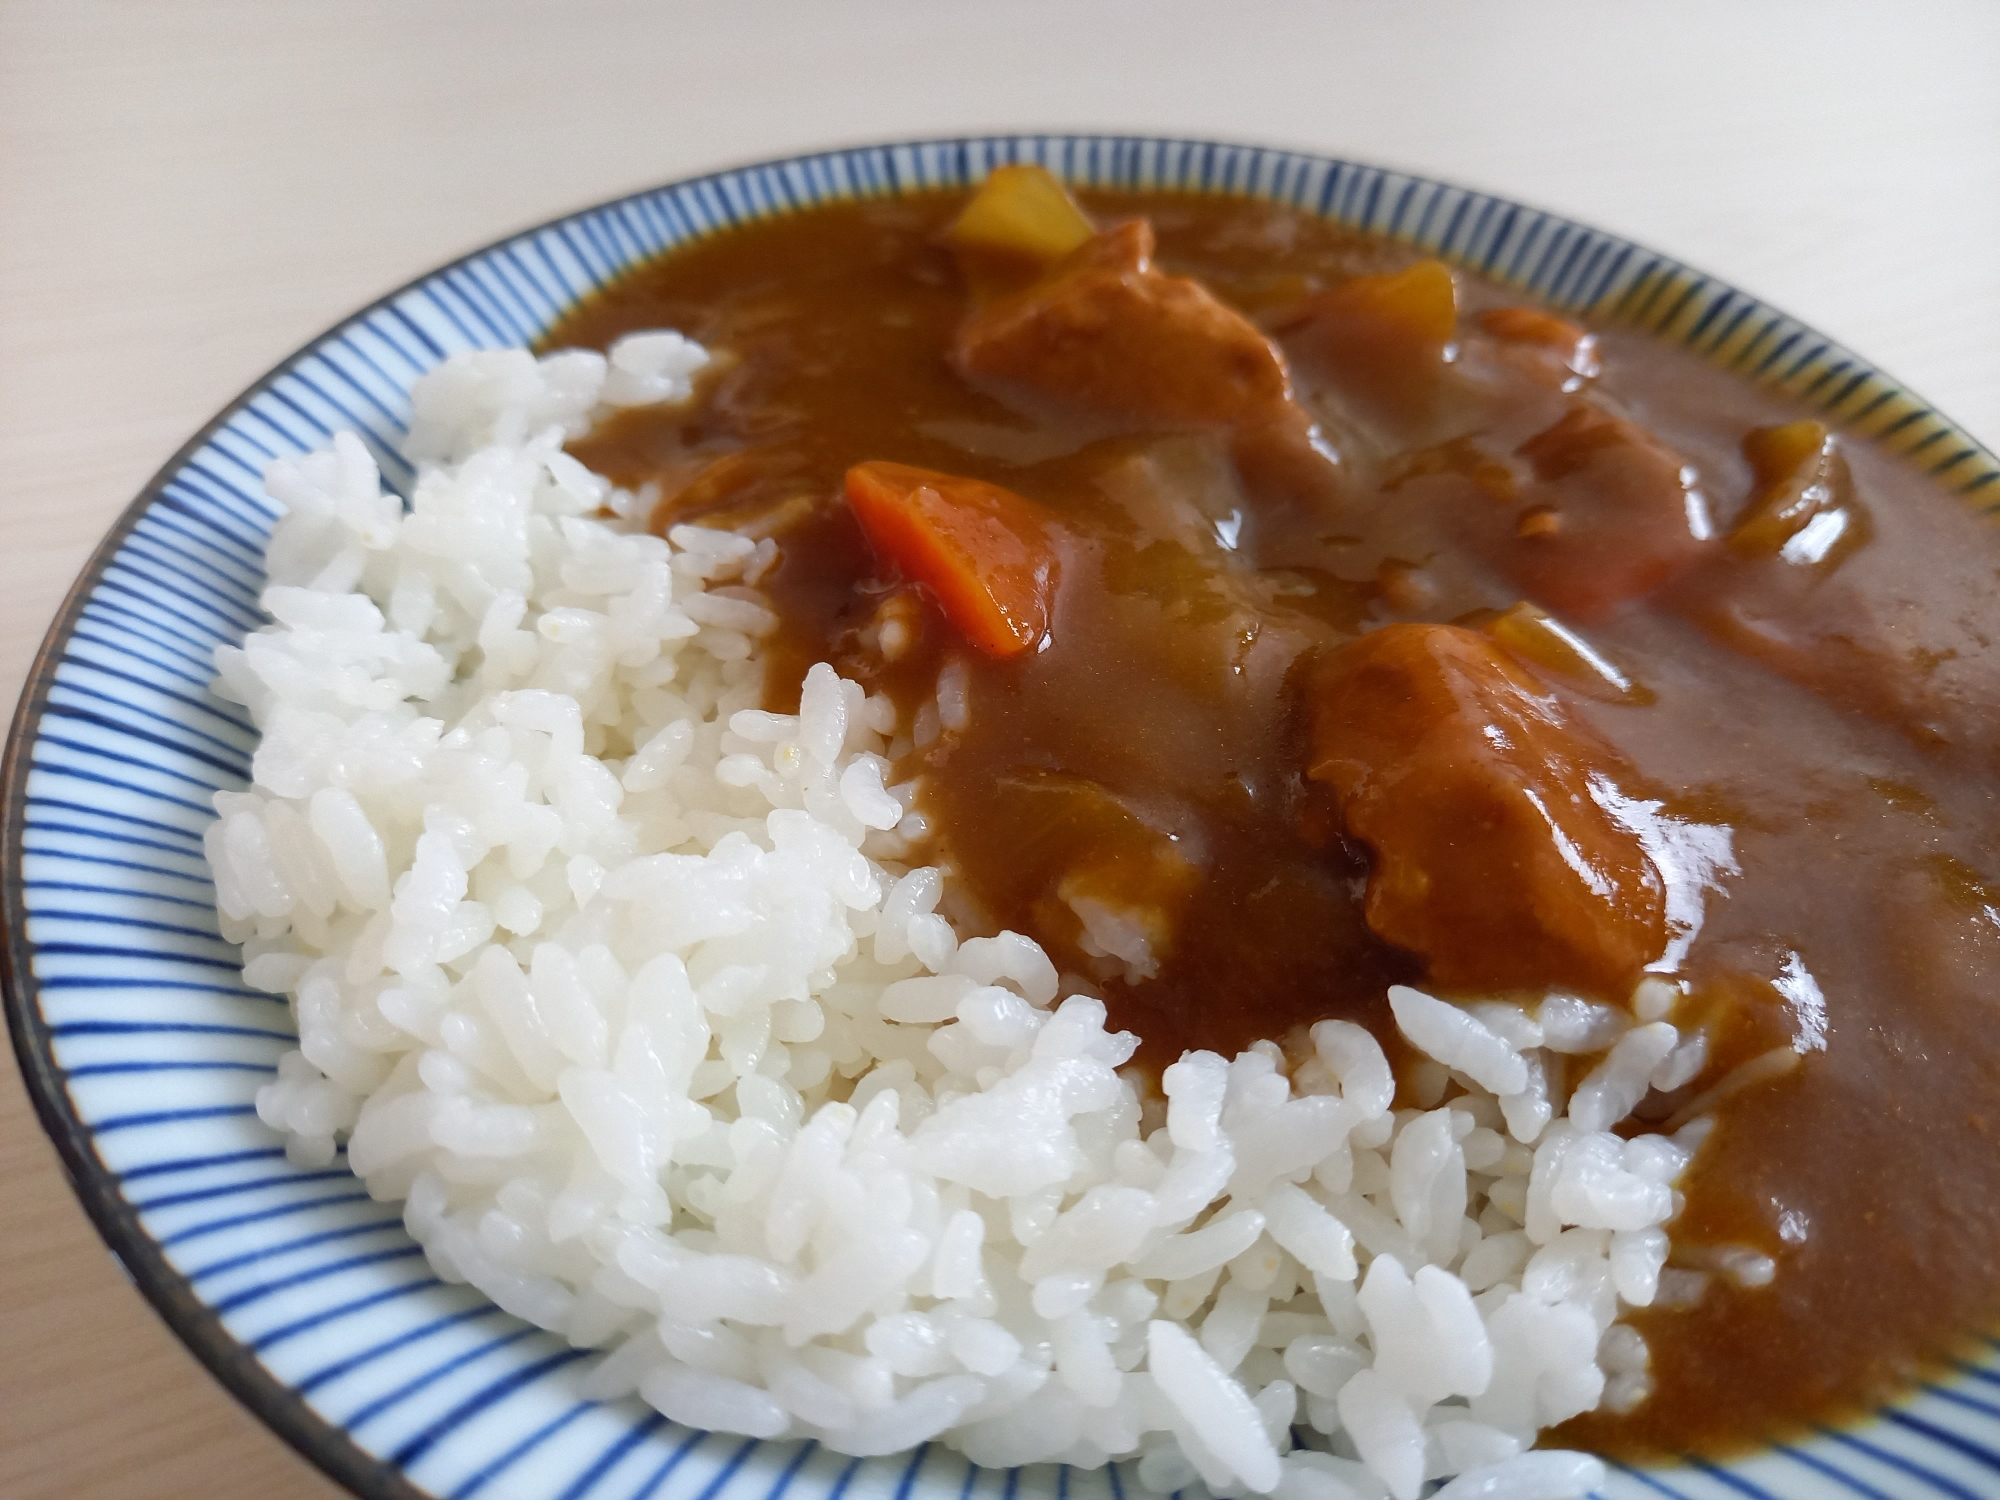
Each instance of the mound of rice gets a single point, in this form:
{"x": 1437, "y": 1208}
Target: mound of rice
{"x": 639, "y": 999}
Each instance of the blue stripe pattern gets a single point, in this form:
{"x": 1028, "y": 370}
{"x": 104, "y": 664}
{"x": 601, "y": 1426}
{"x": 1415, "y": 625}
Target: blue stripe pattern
{"x": 145, "y": 1050}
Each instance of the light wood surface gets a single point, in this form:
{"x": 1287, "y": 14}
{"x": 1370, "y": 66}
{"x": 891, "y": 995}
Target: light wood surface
{"x": 189, "y": 191}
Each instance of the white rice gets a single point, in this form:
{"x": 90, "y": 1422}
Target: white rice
{"x": 638, "y": 997}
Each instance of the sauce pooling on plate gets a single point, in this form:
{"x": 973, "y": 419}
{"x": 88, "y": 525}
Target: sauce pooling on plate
{"x": 1276, "y": 617}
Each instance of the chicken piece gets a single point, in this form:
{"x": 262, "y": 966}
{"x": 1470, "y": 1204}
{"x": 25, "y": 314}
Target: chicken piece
{"x": 1612, "y": 515}
{"x": 1107, "y": 331}
{"x": 1380, "y": 340}
{"x": 1288, "y": 460}
{"x": 1126, "y": 248}
{"x": 1487, "y": 807}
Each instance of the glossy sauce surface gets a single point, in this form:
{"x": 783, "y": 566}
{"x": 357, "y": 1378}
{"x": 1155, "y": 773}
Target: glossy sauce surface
{"x": 1816, "y": 742}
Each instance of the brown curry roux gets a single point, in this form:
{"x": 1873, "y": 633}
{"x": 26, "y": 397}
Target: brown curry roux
{"x": 1831, "y": 721}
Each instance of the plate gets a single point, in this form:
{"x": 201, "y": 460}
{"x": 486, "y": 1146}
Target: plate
{"x": 144, "y": 1050}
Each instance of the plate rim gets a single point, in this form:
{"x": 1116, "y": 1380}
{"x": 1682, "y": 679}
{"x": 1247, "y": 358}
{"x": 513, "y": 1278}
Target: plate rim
{"x": 275, "y": 1404}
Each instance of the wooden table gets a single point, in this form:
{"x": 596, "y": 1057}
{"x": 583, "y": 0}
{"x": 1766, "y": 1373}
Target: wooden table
{"x": 188, "y": 192}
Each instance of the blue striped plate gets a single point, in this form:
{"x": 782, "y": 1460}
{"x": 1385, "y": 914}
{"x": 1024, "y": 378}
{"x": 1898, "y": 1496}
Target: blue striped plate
{"x": 144, "y": 1050}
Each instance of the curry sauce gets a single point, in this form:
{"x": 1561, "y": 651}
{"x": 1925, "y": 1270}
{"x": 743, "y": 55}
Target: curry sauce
{"x": 1744, "y": 662}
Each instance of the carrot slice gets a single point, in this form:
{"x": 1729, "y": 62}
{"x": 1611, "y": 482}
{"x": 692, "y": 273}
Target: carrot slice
{"x": 982, "y": 551}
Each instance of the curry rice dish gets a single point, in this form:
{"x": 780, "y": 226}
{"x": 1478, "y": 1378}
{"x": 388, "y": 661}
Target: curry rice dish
{"x": 1271, "y": 630}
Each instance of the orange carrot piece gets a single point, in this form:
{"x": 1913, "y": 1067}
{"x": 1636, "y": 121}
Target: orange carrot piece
{"x": 982, "y": 551}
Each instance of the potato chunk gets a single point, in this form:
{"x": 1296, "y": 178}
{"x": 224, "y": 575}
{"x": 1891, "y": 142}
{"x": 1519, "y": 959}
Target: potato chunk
{"x": 1613, "y": 515}
{"x": 1020, "y": 211}
{"x": 1485, "y": 805}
